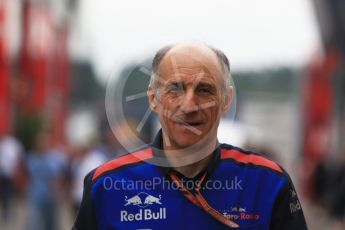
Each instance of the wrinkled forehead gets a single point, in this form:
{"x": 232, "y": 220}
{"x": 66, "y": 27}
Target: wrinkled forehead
{"x": 190, "y": 58}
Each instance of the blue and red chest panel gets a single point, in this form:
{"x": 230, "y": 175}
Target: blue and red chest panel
{"x": 129, "y": 193}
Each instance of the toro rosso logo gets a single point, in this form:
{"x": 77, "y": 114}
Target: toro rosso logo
{"x": 143, "y": 200}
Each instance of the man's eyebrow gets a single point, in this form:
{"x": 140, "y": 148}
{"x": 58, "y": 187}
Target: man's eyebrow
{"x": 173, "y": 82}
{"x": 205, "y": 84}
{"x": 178, "y": 83}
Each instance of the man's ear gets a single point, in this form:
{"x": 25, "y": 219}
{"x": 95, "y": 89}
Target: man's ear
{"x": 152, "y": 99}
{"x": 227, "y": 100}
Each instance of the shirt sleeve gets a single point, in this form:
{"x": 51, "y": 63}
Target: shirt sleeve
{"x": 86, "y": 217}
{"x": 287, "y": 212}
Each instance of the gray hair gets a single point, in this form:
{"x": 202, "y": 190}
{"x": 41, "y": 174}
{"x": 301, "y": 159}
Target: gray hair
{"x": 222, "y": 58}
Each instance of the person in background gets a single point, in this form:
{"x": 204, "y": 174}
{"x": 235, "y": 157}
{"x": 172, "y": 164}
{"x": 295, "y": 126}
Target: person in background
{"x": 11, "y": 152}
{"x": 43, "y": 171}
{"x": 83, "y": 160}
{"x": 338, "y": 202}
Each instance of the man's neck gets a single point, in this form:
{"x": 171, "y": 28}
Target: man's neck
{"x": 194, "y": 169}
{"x": 198, "y": 157}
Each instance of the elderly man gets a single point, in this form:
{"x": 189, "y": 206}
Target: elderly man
{"x": 185, "y": 179}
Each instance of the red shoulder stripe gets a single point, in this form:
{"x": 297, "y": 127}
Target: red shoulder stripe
{"x": 249, "y": 159}
{"x": 123, "y": 160}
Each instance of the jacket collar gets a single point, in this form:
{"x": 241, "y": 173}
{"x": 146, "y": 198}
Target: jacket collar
{"x": 158, "y": 151}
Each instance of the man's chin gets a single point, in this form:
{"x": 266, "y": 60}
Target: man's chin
{"x": 190, "y": 143}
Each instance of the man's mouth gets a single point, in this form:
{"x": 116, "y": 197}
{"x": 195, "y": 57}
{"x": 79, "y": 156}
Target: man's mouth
{"x": 192, "y": 125}
{"x": 189, "y": 123}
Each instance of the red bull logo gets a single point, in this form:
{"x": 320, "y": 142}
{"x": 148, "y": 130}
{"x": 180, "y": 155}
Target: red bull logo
{"x": 143, "y": 200}
{"x": 135, "y": 200}
{"x": 151, "y": 200}
{"x": 143, "y": 214}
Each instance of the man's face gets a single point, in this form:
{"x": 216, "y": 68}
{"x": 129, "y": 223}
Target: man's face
{"x": 189, "y": 101}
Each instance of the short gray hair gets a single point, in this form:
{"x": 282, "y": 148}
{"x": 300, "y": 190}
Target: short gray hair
{"x": 222, "y": 58}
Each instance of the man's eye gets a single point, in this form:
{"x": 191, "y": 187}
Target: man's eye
{"x": 175, "y": 88}
{"x": 204, "y": 90}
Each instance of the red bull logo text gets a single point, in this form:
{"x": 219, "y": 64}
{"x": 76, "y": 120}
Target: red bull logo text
{"x": 144, "y": 214}
{"x": 143, "y": 200}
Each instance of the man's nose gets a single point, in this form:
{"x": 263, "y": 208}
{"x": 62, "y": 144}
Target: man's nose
{"x": 189, "y": 102}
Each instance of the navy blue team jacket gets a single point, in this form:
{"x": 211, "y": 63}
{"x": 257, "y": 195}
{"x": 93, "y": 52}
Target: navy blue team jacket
{"x": 131, "y": 193}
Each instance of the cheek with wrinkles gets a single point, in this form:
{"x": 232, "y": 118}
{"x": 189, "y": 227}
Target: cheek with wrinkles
{"x": 166, "y": 113}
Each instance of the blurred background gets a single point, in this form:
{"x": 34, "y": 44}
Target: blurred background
{"x": 58, "y": 58}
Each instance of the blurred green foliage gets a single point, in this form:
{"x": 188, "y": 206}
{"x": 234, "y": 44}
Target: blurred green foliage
{"x": 28, "y": 126}
{"x": 267, "y": 84}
